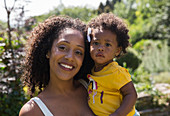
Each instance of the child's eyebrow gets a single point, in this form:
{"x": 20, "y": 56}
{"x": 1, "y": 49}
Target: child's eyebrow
{"x": 108, "y": 40}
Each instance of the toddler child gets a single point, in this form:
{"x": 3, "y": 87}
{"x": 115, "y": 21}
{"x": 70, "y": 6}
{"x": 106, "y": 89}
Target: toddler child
{"x": 111, "y": 91}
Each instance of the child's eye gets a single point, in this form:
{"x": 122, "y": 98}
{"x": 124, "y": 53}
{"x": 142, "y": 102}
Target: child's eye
{"x": 107, "y": 44}
{"x": 78, "y": 52}
{"x": 95, "y": 43}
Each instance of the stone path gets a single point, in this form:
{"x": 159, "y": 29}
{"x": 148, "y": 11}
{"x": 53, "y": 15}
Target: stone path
{"x": 163, "y": 87}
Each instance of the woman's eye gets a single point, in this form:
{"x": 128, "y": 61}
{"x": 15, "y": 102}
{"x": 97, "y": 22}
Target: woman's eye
{"x": 95, "y": 43}
{"x": 107, "y": 44}
{"x": 79, "y": 53}
{"x": 62, "y": 47}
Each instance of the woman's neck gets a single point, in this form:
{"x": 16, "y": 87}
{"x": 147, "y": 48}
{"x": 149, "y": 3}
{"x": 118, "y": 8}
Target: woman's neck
{"x": 64, "y": 87}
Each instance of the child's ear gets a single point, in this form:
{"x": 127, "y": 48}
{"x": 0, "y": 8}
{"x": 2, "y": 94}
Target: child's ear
{"x": 119, "y": 49}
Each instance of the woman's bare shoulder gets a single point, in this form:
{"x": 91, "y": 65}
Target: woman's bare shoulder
{"x": 30, "y": 109}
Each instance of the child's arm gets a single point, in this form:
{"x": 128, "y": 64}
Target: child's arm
{"x": 129, "y": 99}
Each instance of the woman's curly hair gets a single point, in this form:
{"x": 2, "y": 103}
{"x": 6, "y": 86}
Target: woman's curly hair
{"x": 36, "y": 65}
{"x": 109, "y": 21}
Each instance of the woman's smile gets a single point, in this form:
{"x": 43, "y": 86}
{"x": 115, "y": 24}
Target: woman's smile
{"x": 66, "y": 67}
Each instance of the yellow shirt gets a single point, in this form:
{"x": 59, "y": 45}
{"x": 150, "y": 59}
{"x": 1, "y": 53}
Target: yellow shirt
{"x": 104, "y": 89}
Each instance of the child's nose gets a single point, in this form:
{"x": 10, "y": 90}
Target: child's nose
{"x": 100, "y": 48}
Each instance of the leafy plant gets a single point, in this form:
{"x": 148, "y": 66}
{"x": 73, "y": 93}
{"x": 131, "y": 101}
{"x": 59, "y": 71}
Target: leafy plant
{"x": 11, "y": 93}
{"x": 131, "y": 59}
{"x": 155, "y": 56}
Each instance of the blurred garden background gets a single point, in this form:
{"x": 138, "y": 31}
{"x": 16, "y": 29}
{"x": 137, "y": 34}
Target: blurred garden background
{"x": 148, "y": 60}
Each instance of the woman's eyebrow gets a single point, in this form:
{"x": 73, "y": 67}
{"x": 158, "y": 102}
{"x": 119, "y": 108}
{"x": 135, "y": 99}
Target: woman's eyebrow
{"x": 80, "y": 46}
{"x": 77, "y": 45}
{"x": 66, "y": 42}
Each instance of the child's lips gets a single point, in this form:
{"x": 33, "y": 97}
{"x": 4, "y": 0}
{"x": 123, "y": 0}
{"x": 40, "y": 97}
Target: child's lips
{"x": 99, "y": 55}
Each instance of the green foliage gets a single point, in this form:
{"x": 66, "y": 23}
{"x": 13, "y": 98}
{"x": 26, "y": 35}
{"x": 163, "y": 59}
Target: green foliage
{"x": 131, "y": 58}
{"x": 139, "y": 46}
{"x": 162, "y": 77}
{"x": 142, "y": 80}
{"x": 2, "y": 25}
{"x": 85, "y": 14}
{"x": 12, "y": 101}
{"x": 160, "y": 18}
{"x": 144, "y": 84}
{"x": 100, "y": 8}
{"x": 154, "y": 55}
{"x": 138, "y": 31}
{"x": 125, "y": 10}
{"x": 147, "y": 18}
{"x": 152, "y": 20}
{"x": 11, "y": 94}
{"x": 108, "y": 7}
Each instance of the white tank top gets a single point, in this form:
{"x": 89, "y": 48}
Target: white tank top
{"x": 44, "y": 108}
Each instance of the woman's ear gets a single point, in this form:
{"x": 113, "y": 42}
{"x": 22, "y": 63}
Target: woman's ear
{"x": 48, "y": 55}
{"x": 119, "y": 49}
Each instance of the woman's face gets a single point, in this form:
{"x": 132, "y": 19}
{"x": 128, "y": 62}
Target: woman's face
{"x": 67, "y": 54}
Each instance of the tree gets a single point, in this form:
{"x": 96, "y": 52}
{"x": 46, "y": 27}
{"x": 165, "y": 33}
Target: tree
{"x": 100, "y": 8}
{"x": 147, "y": 19}
{"x": 8, "y": 11}
{"x": 83, "y": 13}
{"x": 109, "y": 7}
{"x": 152, "y": 20}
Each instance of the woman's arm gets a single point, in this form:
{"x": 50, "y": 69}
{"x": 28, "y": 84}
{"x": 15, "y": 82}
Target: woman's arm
{"x": 129, "y": 99}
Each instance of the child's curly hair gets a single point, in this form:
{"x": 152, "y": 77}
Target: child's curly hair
{"x": 109, "y": 21}
{"x": 36, "y": 65}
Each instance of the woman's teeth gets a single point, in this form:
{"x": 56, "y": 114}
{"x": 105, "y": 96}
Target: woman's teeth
{"x": 67, "y": 66}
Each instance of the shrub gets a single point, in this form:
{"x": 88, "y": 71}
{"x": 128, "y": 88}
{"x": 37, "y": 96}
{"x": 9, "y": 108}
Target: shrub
{"x": 154, "y": 54}
{"x": 131, "y": 59}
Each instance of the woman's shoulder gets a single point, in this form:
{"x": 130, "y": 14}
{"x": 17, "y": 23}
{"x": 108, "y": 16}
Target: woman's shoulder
{"x": 30, "y": 109}
{"x": 81, "y": 88}
{"x": 83, "y": 83}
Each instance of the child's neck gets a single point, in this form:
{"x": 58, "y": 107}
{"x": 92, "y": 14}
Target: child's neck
{"x": 99, "y": 67}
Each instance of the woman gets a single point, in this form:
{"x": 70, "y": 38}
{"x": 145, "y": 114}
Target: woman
{"x": 55, "y": 64}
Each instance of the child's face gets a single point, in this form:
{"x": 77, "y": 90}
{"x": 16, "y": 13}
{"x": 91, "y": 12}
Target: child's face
{"x": 67, "y": 54}
{"x": 104, "y": 47}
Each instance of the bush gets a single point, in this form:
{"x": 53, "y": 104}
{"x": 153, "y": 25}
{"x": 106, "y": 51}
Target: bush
{"x": 11, "y": 93}
{"x": 154, "y": 54}
{"x": 131, "y": 59}
{"x": 163, "y": 77}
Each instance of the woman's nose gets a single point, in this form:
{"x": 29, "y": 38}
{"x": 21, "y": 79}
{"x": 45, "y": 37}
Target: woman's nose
{"x": 70, "y": 55}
